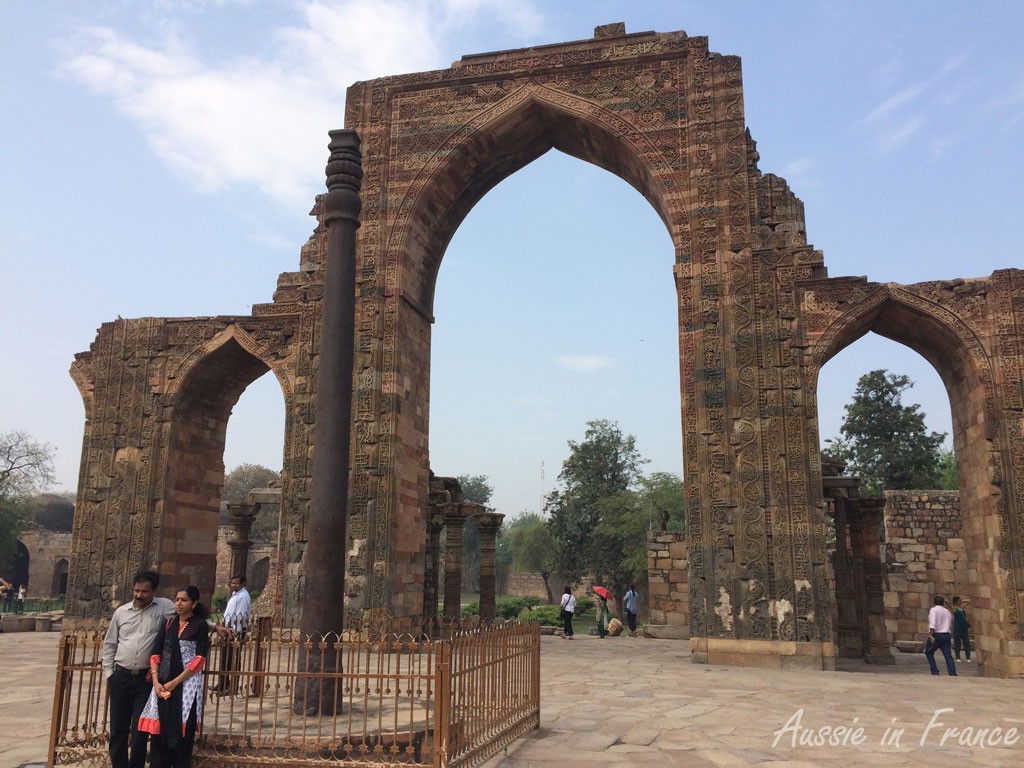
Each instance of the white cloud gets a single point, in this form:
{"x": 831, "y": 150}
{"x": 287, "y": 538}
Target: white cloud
{"x": 904, "y": 114}
{"x": 583, "y": 363}
{"x": 262, "y": 120}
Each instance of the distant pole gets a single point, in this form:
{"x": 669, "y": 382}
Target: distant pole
{"x": 323, "y": 599}
{"x": 541, "y": 510}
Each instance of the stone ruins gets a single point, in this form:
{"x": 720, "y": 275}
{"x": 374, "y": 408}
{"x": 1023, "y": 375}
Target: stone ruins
{"x": 758, "y": 318}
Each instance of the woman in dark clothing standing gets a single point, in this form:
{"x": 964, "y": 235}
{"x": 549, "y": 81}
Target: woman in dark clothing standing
{"x": 960, "y": 628}
{"x": 175, "y": 706}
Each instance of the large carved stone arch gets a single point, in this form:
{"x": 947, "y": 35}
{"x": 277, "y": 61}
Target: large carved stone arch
{"x": 949, "y": 324}
{"x": 158, "y": 393}
{"x": 434, "y": 143}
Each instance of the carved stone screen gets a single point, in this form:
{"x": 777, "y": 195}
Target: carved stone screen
{"x": 758, "y": 317}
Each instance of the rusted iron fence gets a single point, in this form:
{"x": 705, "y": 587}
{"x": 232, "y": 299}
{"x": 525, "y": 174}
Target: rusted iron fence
{"x": 403, "y": 693}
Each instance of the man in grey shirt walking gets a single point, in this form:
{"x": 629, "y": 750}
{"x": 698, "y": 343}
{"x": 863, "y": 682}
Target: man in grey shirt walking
{"x": 126, "y": 650}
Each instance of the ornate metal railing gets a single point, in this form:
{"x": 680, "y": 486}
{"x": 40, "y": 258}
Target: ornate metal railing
{"x": 405, "y": 694}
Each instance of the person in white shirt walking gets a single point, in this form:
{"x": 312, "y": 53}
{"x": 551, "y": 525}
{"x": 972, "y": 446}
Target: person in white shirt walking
{"x": 233, "y": 629}
{"x": 940, "y": 632}
{"x": 126, "y": 649}
{"x": 568, "y": 610}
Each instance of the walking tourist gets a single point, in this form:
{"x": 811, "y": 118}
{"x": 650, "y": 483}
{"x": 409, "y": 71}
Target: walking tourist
{"x": 601, "y": 615}
{"x": 940, "y": 626}
{"x": 8, "y": 592}
{"x": 233, "y": 629}
{"x": 631, "y": 601}
{"x": 22, "y": 594}
{"x": 568, "y": 610}
{"x": 126, "y": 650}
{"x": 175, "y": 704}
{"x": 960, "y": 627}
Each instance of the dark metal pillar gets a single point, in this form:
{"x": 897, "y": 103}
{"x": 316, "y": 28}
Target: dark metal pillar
{"x": 323, "y": 598}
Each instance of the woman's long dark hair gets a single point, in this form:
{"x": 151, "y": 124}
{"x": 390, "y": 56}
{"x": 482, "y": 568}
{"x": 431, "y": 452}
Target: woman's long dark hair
{"x": 193, "y": 595}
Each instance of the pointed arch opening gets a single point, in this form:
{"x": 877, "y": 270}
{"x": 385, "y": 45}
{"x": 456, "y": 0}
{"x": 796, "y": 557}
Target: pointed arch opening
{"x": 187, "y": 539}
{"x": 501, "y": 142}
{"x": 962, "y": 544}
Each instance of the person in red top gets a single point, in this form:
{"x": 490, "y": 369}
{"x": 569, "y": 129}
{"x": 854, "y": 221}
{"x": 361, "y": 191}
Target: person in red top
{"x": 940, "y": 631}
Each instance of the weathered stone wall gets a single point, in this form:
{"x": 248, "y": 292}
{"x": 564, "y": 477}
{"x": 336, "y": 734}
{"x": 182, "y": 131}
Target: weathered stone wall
{"x": 49, "y": 553}
{"x": 668, "y": 593}
{"x": 925, "y": 556}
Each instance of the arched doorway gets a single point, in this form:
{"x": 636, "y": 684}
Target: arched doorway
{"x": 210, "y": 387}
{"x": 59, "y": 586}
{"x": 20, "y": 563}
{"x": 939, "y": 333}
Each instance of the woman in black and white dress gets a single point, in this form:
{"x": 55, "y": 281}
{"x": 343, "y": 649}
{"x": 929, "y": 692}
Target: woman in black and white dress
{"x": 175, "y": 705}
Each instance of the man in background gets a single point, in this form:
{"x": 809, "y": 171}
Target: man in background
{"x": 126, "y": 650}
{"x": 232, "y": 629}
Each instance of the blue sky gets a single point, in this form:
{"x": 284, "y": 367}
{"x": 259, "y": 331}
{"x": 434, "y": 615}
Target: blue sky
{"x": 160, "y": 158}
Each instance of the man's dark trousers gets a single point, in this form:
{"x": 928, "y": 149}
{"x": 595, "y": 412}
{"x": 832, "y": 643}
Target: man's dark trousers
{"x": 941, "y": 643}
{"x": 128, "y": 695}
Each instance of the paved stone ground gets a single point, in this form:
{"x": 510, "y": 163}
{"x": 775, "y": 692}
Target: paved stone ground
{"x": 637, "y": 702}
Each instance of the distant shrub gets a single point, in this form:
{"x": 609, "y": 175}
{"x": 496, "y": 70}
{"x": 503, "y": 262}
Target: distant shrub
{"x": 508, "y": 608}
{"x": 545, "y": 615}
{"x": 470, "y": 609}
{"x": 584, "y": 604}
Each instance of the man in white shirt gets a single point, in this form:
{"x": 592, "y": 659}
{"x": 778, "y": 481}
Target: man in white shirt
{"x": 940, "y": 631}
{"x": 233, "y": 629}
{"x": 126, "y": 649}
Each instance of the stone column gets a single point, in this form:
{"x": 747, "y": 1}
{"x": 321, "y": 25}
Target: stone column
{"x": 324, "y": 557}
{"x": 435, "y": 524}
{"x": 454, "y": 518}
{"x": 488, "y": 523}
{"x": 876, "y": 637}
{"x": 848, "y": 626}
{"x": 242, "y": 515}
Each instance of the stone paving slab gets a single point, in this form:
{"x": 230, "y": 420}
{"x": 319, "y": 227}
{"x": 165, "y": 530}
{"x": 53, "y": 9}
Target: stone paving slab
{"x": 639, "y": 702}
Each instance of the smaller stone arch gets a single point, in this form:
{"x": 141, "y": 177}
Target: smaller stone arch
{"x": 233, "y": 333}
{"x": 20, "y": 565}
{"x": 59, "y": 584}
{"x": 947, "y": 324}
{"x": 206, "y": 386}
{"x": 259, "y": 574}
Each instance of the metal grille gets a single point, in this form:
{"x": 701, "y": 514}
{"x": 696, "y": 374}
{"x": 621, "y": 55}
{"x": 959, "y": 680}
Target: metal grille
{"x": 404, "y": 694}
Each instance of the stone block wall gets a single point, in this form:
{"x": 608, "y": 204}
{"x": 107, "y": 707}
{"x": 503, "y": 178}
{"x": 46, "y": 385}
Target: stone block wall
{"x": 925, "y": 555}
{"x": 49, "y": 553}
{"x": 668, "y": 591}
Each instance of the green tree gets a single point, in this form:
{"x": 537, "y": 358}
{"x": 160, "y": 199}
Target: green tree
{"x": 619, "y": 541}
{"x": 885, "y": 442}
{"x": 662, "y": 495}
{"x": 476, "y": 488}
{"x": 237, "y": 484}
{"x": 947, "y": 470}
{"x": 601, "y": 467}
{"x": 26, "y": 468}
{"x": 533, "y": 548}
